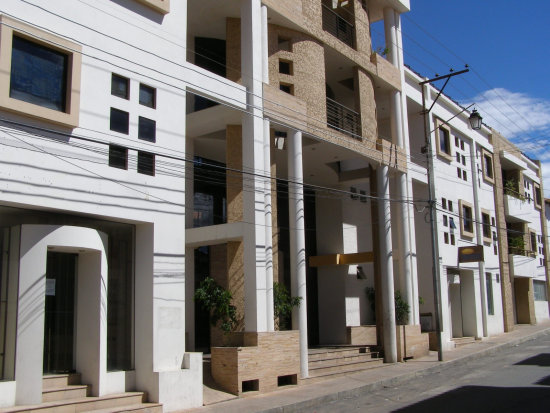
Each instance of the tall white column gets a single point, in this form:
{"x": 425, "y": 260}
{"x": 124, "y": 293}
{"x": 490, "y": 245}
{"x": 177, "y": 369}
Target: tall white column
{"x": 189, "y": 252}
{"x": 386, "y": 265}
{"x": 297, "y": 243}
{"x": 267, "y": 195}
{"x": 396, "y": 123}
{"x": 253, "y": 164}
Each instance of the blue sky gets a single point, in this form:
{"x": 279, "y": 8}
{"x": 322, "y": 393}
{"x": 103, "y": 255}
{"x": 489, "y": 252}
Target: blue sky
{"x": 506, "y": 43}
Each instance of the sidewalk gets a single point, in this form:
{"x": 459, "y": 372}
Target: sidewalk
{"x": 295, "y": 398}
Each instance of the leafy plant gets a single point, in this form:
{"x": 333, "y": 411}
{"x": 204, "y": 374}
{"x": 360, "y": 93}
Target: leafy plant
{"x": 516, "y": 244}
{"x": 283, "y": 304}
{"x": 511, "y": 188}
{"x": 217, "y": 301}
{"x": 401, "y": 306}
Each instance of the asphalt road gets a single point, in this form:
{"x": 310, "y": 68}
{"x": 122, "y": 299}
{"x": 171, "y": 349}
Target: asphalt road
{"x": 515, "y": 380}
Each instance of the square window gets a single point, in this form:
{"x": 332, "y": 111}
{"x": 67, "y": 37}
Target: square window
{"x": 287, "y": 88}
{"x": 147, "y": 96}
{"x": 445, "y": 223}
{"x": 38, "y": 74}
{"x": 285, "y": 67}
{"x": 120, "y": 121}
{"x": 147, "y": 129}
{"x": 118, "y": 157}
{"x": 446, "y": 237}
{"x": 453, "y": 242}
{"x": 284, "y": 43}
{"x": 39, "y": 80}
{"x": 146, "y": 163}
{"x": 120, "y": 86}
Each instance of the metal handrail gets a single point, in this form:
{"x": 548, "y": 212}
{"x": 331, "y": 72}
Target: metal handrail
{"x": 344, "y": 119}
{"x": 338, "y": 26}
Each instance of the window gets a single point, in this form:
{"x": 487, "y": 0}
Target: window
{"x": 486, "y": 225}
{"x": 459, "y": 172}
{"x": 120, "y": 121}
{"x": 285, "y": 67}
{"x": 287, "y": 88}
{"x": 458, "y": 157}
{"x": 463, "y": 160}
{"x": 39, "y": 73}
{"x": 453, "y": 239}
{"x": 456, "y": 141}
{"x": 444, "y": 203}
{"x": 539, "y": 288}
{"x": 464, "y": 175}
{"x": 147, "y": 96}
{"x": 450, "y": 204}
{"x": 445, "y": 220}
{"x": 146, "y": 163}
{"x": 461, "y": 144}
{"x": 118, "y": 157}
{"x": 452, "y": 223}
{"x": 446, "y": 237}
{"x": 147, "y": 129}
{"x": 489, "y": 284}
{"x": 443, "y": 142}
{"x": 495, "y": 249}
{"x": 487, "y": 167}
{"x": 284, "y": 43}
{"x": 533, "y": 240}
{"x": 120, "y": 86}
{"x": 466, "y": 222}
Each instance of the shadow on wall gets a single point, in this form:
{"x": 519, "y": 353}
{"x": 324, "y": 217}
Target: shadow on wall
{"x": 485, "y": 399}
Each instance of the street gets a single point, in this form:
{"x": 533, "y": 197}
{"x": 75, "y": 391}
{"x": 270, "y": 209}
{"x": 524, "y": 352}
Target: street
{"x": 514, "y": 380}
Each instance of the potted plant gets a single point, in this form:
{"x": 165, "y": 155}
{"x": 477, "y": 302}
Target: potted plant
{"x": 283, "y": 304}
{"x": 217, "y": 301}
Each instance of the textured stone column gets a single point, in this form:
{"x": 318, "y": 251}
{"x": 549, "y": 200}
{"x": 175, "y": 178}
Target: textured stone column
{"x": 298, "y": 243}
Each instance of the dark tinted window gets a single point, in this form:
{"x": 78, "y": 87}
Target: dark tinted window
{"x": 146, "y": 163}
{"x": 120, "y": 121}
{"x": 118, "y": 157}
{"x": 147, "y": 129}
{"x": 38, "y": 75}
{"x": 147, "y": 96}
{"x": 120, "y": 86}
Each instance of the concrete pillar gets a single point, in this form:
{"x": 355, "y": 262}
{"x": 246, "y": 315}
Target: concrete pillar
{"x": 391, "y": 35}
{"x": 298, "y": 243}
{"x": 254, "y": 253}
{"x": 386, "y": 265}
{"x": 268, "y": 230}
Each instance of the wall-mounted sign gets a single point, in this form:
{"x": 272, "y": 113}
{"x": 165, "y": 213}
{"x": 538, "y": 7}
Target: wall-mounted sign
{"x": 471, "y": 254}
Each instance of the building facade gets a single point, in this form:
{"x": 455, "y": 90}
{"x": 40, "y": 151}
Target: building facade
{"x": 149, "y": 145}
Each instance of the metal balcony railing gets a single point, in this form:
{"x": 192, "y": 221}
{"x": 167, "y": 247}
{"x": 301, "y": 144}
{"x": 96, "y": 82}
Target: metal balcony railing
{"x": 338, "y": 27}
{"x": 343, "y": 119}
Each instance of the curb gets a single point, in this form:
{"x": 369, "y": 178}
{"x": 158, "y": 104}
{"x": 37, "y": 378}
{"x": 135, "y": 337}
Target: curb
{"x": 404, "y": 378}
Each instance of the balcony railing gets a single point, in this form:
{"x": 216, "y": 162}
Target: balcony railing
{"x": 338, "y": 27}
{"x": 343, "y": 119}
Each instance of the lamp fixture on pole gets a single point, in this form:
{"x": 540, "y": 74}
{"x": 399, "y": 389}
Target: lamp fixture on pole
{"x": 475, "y": 120}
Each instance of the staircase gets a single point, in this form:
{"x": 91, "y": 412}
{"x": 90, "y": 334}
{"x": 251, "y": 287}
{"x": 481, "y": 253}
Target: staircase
{"x": 335, "y": 361}
{"x": 65, "y": 393}
{"x": 462, "y": 341}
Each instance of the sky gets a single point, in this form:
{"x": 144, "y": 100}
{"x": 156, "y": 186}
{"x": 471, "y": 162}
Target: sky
{"x": 506, "y": 43}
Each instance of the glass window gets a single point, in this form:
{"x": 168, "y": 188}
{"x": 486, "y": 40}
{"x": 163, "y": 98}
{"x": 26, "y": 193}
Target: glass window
{"x": 533, "y": 237}
{"x": 488, "y": 165}
{"x": 120, "y": 121}
{"x": 450, "y": 203}
{"x": 118, "y": 157}
{"x": 464, "y": 175}
{"x": 467, "y": 218}
{"x": 444, "y": 203}
{"x": 539, "y": 288}
{"x": 147, "y": 129}
{"x": 452, "y": 223}
{"x": 463, "y": 160}
{"x": 445, "y": 220}
{"x": 490, "y": 301}
{"x": 486, "y": 225}
{"x": 146, "y": 163}
{"x": 120, "y": 86}
{"x": 444, "y": 145}
{"x": 38, "y": 75}
{"x": 147, "y": 96}
{"x": 446, "y": 237}
{"x": 452, "y": 239}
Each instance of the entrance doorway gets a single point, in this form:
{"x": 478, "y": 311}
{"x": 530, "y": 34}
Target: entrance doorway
{"x": 59, "y": 317}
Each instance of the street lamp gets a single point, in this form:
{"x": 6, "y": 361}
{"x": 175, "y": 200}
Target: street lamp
{"x": 475, "y": 122}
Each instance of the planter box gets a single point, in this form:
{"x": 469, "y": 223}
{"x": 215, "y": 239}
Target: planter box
{"x": 411, "y": 342}
{"x": 258, "y": 362}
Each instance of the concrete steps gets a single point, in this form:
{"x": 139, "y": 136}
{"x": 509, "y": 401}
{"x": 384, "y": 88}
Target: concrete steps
{"x": 462, "y": 341}
{"x": 328, "y": 363}
{"x": 63, "y": 393}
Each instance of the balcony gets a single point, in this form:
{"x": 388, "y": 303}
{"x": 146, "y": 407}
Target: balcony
{"x": 338, "y": 26}
{"x": 517, "y": 208}
{"x": 522, "y": 265}
{"x": 344, "y": 119}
